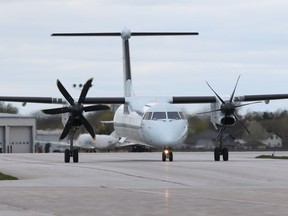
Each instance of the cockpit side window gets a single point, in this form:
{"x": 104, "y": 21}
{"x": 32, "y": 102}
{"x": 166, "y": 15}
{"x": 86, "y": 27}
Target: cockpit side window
{"x": 182, "y": 115}
{"x": 173, "y": 115}
{"x": 147, "y": 116}
{"x": 159, "y": 115}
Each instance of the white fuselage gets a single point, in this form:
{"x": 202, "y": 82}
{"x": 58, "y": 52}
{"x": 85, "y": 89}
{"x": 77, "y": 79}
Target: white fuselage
{"x": 102, "y": 142}
{"x": 160, "y": 126}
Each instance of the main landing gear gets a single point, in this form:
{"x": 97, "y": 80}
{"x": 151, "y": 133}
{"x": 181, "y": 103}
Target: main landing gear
{"x": 167, "y": 154}
{"x": 71, "y": 152}
{"x": 221, "y": 151}
{"x": 218, "y": 151}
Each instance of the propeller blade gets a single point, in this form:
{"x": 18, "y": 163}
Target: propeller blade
{"x": 65, "y": 93}
{"x": 67, "y": 128}
{"x": 96, "y": 108}
{"x": 232, "y": 95}
{"x": 84, "y": 91}
{"x": 242, "y": 124}
{"x": 246, "y": 104}
{"x": 56, "y": 110}
{"x": 211, "y": 111}
{"x": 87, "y": 125}
{"x": 216, "y": 93}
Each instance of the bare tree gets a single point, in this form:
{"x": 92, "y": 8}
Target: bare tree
{"x": 8, "y": 108}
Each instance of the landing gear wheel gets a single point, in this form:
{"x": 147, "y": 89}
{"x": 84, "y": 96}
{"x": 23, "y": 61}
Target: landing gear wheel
{"x": 167, "y": 154}
{"x": 75, "y": 156}
{"x": 217, "y": 154}
{"x": 163, "y": 156}
{"x": 67, "y": 156}
{"x": 225, "y": 154}
{"x": 170, "y": 156}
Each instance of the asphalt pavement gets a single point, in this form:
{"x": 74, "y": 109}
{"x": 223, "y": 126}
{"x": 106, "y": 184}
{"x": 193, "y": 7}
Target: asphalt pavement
{"x": 141, "y": 184}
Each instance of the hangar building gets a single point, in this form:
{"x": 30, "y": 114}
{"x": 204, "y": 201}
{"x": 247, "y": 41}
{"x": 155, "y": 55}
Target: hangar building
{"x": 17, "y": 133}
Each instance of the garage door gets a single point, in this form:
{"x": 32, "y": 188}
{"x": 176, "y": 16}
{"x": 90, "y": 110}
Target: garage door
{"x": 2, "y": 138}
{"x": 20, "y": 139}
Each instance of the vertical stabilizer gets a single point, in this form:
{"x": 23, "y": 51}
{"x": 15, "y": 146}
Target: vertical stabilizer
{"x": 125, "y": 35}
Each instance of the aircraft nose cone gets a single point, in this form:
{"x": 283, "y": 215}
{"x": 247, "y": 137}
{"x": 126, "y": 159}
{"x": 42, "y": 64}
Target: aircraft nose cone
{"x": 165, "y": 133}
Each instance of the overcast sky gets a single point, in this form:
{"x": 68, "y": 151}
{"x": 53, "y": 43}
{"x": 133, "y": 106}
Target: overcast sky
{"x": 246, "y": 37}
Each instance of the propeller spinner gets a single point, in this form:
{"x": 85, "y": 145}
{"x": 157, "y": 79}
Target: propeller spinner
{"x": 76, "y": 118}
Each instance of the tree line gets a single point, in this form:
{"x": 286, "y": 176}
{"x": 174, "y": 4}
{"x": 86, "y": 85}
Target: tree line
{"x": 258, "y": 123}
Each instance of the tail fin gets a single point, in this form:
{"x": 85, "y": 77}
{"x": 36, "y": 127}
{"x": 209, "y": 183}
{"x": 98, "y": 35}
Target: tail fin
{"x": 126, "y": 63}
{"x": 125, "y": 35}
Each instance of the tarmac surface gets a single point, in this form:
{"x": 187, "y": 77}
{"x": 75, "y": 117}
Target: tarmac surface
{"x": 141, "y": 184}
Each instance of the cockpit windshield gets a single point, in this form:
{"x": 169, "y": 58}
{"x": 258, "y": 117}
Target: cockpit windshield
{"x": 164, "y": 115}
{"x": 158, "y": 115}
{"x": 173, "y": 115}
{"x": 147, "y": 116}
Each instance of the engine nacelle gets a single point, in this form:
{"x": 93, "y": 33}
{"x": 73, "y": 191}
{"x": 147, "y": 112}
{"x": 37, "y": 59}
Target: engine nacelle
{"x": 219, "y": 118}
{"x": 65, "y": 117}
{"x": 228, "y": 120}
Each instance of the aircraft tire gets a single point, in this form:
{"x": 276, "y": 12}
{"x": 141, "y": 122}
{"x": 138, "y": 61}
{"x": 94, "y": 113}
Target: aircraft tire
{"x": 225, "y": 153}
{"x": 163, "y": 156}
{"x": 67, "y": 156}
{"x": 75, "y": 155}
{"x": 170, "y": 156}
{"x": 217, "y": 154}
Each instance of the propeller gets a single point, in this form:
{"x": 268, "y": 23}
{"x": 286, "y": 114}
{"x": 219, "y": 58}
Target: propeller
{"x": 228, "y": 107}
{"x": 76, "y": 118}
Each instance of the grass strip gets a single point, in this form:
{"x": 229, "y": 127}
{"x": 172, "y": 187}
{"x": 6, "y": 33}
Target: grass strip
{"x": 272, "y": 157}
{"x": 7, "y": 177}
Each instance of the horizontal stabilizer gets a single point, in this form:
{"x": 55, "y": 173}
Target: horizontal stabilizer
{"x": 132, "y": 34}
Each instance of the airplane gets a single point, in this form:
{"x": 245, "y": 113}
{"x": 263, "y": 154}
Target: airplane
{"x": 156, "y": 121}
{"x": 102, "y": 141}
{"x": 85, "y": 142}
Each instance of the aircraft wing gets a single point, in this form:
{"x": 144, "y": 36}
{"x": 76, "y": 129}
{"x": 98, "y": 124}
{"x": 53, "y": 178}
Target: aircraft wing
{"x": 47, "y": 100}
{"x": 51, "y": 100}
{"x": 264, "y": 97}
{"x": 193, "y": 99}
{"x": 212, "y": 99}
{"x": 123, "y": 100}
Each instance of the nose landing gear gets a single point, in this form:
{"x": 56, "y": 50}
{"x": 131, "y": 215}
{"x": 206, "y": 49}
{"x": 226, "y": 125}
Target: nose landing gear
{"x": 167, "y": 154}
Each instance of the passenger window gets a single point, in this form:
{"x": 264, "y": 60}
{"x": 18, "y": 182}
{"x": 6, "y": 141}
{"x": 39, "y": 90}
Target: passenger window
{"x": 147, "y": 116}
{"x": 173, "y": 115}
{"x": 159, "y": 115}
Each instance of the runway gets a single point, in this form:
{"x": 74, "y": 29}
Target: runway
{"x": 141, "y": 184}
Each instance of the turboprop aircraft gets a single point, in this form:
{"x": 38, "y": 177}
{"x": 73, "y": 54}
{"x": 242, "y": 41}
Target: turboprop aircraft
{"x": 103, "y": 142}
{"x": 148, "y": 120}
{"x": 86, "y": 143}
